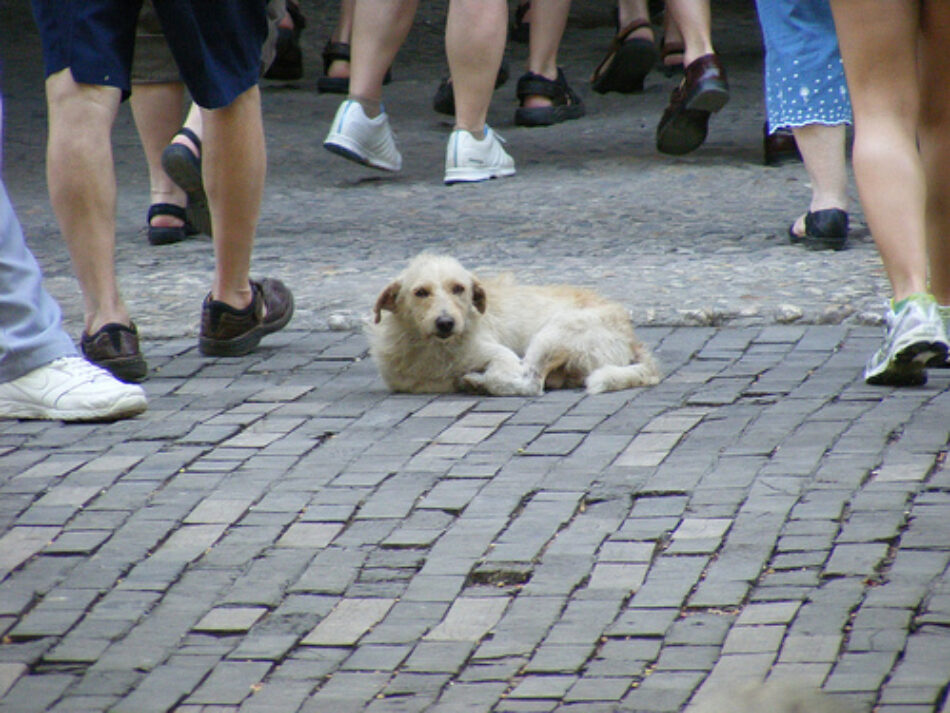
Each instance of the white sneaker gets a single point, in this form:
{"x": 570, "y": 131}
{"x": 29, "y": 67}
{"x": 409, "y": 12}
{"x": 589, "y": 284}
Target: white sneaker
{"x": 355, "y": 136}
{"x": 70, "y": 389}
{"x": 944, "y": 312}
{"x": 914, "y": 338}
{"x": 468, "y": 159}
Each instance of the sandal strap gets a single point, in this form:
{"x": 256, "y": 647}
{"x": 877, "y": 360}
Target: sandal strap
{"x": 557, "y": 90}
{"x": 617, "y": 42}
{"x": 668, "y": 48}
{"x": 335, "y": 51}
{"x": 192, "y": 136}
{"x": 175, "y": 211}
{"x": 293, "y": 9}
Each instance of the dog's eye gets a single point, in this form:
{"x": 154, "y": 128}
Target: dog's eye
{"x": 421, "y": 292}
{"x": 458, "y": 289}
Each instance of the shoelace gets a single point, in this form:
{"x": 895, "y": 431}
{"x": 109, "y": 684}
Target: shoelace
{"x": 79, "y": 367}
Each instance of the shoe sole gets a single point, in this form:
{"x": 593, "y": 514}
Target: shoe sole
{"x": 179, "y": 164}
{"x": 342, "y": 145}
{"x": 123, "y": 408}
{"x": 818, "y": 242}
{"x": 245, "y": 343}
{"x": 687, "y": 129}
{"x": 630, "y": 66}
{"x": 468, "y": 175}
{"x": 907, "y": 368}
{"x": 548, "y": 115}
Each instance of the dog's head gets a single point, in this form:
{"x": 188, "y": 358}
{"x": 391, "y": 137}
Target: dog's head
{"x": 436, "y": 295}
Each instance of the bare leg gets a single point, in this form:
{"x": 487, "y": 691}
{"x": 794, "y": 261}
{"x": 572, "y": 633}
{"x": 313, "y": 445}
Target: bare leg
{"x": 823, "y": 151}
{"x": 156, "y": 109}
{"x": 548, "y": 20}
{"x": 341, "y": 33}
{"x": 234, "y": 166}
{"x": 474, "y": 44}
{"x": 379, "y": 29}
{"x": 887, "y": 166}
{"x": 693, "y": 19}
{"x": 935, "y": 142}
{"x": 82, "y": 187}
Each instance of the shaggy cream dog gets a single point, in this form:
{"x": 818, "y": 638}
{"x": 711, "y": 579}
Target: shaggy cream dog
{"x": 438, "y": 328}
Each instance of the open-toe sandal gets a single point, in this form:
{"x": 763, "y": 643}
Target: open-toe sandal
{"x": 184, "y": 168}
{"x": 565, "y": 103}
{"x": 628, "y": 61}
{"x": 338, "y": 52}
{"x": 167, "y": 234}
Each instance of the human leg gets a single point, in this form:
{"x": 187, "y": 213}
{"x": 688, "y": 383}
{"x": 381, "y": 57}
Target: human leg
{"x": 82, "y": 185}
{"x": 890, "y": 177}
{"x": 543, "y": 93}
{"x": 156, "y": 109}
{"x": 823, "y": 151}
{"x": 887, "y": 166}
{"x": 704, "y": 89}
{"x": 934, "y": 134}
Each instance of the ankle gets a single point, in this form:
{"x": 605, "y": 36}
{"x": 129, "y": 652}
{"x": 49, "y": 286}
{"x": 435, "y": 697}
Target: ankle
{"x": 371, "y": 107}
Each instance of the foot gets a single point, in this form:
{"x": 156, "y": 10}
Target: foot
{"x": 115, "y": 348}
{"x": 545, "y": 101}
{"x": 468, "y": 159}
{"x": 227, "y": 331}
{"x": 703, "y": 91}
{"x": 70, "y": 389}
{"x": 825, "y": 229}
{"x": 167, "y": 223}
{"x": 914, "y": 338}
{"x": 181, "y": 160}
{"x": 354, "y": 136}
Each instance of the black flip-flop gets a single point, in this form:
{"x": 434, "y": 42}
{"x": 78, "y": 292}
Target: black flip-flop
{"x": 627, "y": 63}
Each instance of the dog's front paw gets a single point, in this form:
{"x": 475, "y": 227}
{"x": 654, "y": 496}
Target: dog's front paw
{"x": 474, "y": 381}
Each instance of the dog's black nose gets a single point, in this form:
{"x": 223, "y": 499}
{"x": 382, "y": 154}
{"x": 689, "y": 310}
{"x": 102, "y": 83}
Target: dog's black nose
{"x": 444, "y": 325}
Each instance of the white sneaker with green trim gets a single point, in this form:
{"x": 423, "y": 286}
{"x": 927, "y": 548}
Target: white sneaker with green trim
{"x": 469, "y": 160}
{"x": 355, "y": 136}
{"x": 70, "y": 389}
{"x": 914, "y": 338}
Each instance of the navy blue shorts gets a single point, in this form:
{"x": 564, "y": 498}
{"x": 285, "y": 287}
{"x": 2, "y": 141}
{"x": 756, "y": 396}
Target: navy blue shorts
{"x": 216, "y": 43}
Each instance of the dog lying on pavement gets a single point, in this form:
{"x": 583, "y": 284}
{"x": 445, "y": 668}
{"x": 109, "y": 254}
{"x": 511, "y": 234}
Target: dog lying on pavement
{"x": 438, "y": 328}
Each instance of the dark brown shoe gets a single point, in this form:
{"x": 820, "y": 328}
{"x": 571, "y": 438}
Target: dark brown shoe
{"x": 779, "y": 147}
{"x": 226, "y": 331}
{"x": 115, "y": 348}
{"x": 703, "y": 91}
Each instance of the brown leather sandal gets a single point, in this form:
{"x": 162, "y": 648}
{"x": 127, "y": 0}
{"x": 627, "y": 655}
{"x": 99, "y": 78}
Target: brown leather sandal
{"x": 627, "y": 63}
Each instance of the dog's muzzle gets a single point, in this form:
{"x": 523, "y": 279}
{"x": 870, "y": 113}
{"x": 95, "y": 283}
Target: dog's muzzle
{"x": 444, "y": 326}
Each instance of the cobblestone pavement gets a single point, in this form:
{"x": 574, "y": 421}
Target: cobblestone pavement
{"x": 279, "y": 534}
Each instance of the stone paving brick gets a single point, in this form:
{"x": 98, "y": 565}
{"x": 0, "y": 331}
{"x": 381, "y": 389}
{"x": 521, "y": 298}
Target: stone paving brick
{"x": 348, "y": 621}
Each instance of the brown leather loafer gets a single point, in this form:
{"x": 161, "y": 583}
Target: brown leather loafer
{"x": 226, "y": 331}
{"x": 779, "y": 147}
{"x": 703, "y": 91}
{"x": 115, "y": 348}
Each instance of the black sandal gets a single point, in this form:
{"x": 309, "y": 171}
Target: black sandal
{"x": 167, "y": 234}
{"x": 627, "y": 63}
{"x": 824, "y": 230}
{"x": 288, "y": 57}
{"x": 184, "y": 168}
{"x": 338, "y": 52}
{"x": 669, "y": 50}
{"x": 565, "y": 104}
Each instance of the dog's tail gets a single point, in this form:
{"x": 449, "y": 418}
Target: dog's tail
{"x": 611, "y": 377}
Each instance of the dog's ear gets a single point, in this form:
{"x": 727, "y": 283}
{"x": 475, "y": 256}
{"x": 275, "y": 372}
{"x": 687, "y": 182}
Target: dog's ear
{"x": 386, "y": 300}
{"x": 478, "y": 296}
